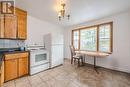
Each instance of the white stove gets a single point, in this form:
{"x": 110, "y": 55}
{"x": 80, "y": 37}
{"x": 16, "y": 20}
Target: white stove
{"x": 39, "y": 59}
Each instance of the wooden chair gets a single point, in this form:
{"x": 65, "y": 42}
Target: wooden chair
{"x": 75, "y": 56}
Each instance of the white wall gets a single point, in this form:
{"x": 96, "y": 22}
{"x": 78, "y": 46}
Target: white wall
{"x": 120, "y": 58}
{"x": 36, "y": 28}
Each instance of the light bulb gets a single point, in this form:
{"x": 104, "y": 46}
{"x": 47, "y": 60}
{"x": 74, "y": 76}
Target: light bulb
{"x": 59, "y": 14}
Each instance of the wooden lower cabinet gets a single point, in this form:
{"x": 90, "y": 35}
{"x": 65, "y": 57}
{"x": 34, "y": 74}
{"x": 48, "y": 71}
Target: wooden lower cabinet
{"x": 11, "y": 69}
{"x": 23, "y": 66}
{"x": 16, "y": 65}
{"x": 2, "y": 75}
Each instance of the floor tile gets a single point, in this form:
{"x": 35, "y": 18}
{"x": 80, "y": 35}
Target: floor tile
{"x": 69, "y": 75}
{"x": 9, "y": 84}
{"x": 34, "y": 80}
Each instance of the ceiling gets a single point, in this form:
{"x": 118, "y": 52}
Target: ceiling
{"x": 80, "y": 10}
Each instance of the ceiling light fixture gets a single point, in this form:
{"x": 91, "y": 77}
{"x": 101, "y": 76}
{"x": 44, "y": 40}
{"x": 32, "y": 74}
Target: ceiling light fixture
{"x": 62, "y": 11}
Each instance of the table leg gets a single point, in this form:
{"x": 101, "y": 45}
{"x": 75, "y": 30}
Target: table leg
{"x": 83, "y": 59}
{"x": 94, "y": 62}
{"x": 95, "y": 67}
{"x": 71, "y": 60}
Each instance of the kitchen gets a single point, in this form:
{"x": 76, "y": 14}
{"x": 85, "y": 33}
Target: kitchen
{"x": 23, "y": 54}
{"x": 64, "y": 43}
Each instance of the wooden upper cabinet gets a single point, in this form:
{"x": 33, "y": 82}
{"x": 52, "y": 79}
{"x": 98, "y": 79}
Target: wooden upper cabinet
{"x": 1, "y": 26}
{"x": 22, "y": 23}
{"x": 14, "y": 26}
{"x": 10, "y": 26}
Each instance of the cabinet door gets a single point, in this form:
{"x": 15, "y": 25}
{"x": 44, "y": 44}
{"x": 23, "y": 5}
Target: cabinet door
{"x": 23, "y": 66}
{"x": 10, "y": 27}
{"x": 22, "y": 23}
{"x": 1, "y": 26}
{"x": 11, "y": 69}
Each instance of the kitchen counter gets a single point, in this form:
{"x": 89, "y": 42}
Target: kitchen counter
{"x": 6, "y": 56}
{"x": 12, "y": 52}
{"x": 8, "y": 51}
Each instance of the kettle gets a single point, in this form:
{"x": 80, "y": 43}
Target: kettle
{"x": 22, "y": 48}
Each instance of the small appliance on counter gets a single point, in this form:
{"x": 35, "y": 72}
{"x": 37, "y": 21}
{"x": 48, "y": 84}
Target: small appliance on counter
{"x": 39, "y": 59}
{"x": 22, "y": 48}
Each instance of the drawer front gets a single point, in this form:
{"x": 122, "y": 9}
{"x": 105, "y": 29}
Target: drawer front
{"x": 16, "y": 55}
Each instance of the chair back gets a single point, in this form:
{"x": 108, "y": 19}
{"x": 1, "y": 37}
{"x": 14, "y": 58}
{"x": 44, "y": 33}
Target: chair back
{"x": 72, "y": 49}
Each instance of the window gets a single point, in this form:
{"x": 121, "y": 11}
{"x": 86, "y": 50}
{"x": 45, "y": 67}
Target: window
{"x": 88, "y": 39}
{"x": 105, "y": 38}
{"x": 95, "y": 38}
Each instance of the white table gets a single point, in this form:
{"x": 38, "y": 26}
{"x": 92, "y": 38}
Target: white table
{"x": 94, "y": 55}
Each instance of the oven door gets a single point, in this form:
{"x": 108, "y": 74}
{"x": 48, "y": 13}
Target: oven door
{"x": 38, "y": 58}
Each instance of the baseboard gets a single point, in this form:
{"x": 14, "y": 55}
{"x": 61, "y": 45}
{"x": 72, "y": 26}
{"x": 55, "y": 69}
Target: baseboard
{"x": 108, "y": 67}
{"x": 67, "y": 58}
{"x": 112, "y": 68}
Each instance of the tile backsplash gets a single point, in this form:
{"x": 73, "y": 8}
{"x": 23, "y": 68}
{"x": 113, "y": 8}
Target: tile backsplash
{"x": 11, "y": 43}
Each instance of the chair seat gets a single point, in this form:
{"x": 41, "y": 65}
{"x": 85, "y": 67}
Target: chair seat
{"x": 77, "y": 57}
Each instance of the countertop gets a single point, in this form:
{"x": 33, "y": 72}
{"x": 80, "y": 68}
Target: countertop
{"x": 12, "y": 52}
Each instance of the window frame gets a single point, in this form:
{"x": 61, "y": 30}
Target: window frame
{"x": 78, "y": 38}
{"x": 97, "y": 37}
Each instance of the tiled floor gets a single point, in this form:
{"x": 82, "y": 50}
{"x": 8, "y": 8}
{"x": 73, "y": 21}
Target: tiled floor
{"x": 72, "y": 76}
